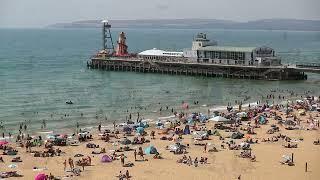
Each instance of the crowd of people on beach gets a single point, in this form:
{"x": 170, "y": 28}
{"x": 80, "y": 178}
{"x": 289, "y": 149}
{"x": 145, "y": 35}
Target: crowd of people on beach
{"x": 242, "y": 125}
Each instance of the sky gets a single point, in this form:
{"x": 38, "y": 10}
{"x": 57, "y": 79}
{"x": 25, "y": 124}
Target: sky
{"x": 39, "y": 13}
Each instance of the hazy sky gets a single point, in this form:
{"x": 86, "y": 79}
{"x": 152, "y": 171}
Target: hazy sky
{"x": 30, "y": 13}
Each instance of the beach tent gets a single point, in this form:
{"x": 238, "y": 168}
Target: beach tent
{"x": 126, "y": 129}
{"x": 186, "y": 129}
{"x": 237, "y": 135}
{"x": 175, "y": 147}
{"x": 125, "y": 141}
{"x": 219, "y": 119}
{"x": 140, "y": 130}
{"x": 150, "y": 150}
{"x": 142, "y": 124}
{"x": 202, "y": 117}
{"x": 40, "y": 176}
{"x": 262, "y": 120}
{"x": 200, "y": 135}
{"x": 106, "y": 159}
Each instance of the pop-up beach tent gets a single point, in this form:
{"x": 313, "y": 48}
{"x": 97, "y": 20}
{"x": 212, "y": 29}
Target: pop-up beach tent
{"x": 127, "y": 129}
{"x": 125, "y": 141}
{"x": 186, "y": 129}
{"x": 140, "y": 130}
{"x": 106, "y": 159}
{"x": 40, "y": 176}
{"x": 150, "y": 150}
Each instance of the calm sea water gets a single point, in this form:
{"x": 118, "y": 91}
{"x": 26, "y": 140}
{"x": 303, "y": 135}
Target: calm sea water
{"x": 41, "y": 69}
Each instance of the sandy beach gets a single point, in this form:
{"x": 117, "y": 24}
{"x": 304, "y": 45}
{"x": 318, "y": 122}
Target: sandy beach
{"x": 223, "y": 164}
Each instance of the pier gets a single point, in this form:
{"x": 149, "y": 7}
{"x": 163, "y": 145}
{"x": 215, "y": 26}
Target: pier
{"x": 202, "y": 69}
{"x": 205, "y": 58}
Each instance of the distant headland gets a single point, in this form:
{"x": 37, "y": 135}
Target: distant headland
{"x": 264, "y": 24}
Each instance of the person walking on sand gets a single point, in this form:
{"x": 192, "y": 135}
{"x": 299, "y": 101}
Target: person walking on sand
{"x": 127, "y": 174}
{"x": 205, "y": 147}
{"x": 71, "y": 163}
{"x": 141, "y": 153}
{"x": 135, "y": 155}
{"x": 64, "y": 165}
{"x": 122, "y": 159}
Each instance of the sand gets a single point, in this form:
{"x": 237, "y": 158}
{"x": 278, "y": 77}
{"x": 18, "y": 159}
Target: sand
{"x": 221, "y": 165}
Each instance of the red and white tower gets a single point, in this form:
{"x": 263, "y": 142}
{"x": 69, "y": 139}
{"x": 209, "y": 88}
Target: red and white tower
{"x": 122, "y": 48}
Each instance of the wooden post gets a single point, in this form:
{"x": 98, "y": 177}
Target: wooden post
{"x": 292, "y": 157}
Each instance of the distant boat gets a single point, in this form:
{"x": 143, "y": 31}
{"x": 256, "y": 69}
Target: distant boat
{"x": 69, "y": 102}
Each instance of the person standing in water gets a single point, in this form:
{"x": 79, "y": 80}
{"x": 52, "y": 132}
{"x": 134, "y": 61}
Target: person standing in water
{"x": 99, "y": 127}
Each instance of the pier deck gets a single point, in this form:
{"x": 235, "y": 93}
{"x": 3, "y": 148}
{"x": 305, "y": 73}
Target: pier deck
{"x": 293, "y": 72}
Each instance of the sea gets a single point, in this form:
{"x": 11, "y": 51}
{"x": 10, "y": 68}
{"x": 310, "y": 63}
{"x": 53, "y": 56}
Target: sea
{"x": 41, "y": 69}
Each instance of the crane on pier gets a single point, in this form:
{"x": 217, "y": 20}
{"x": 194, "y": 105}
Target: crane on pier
{"x": 107, "y": 38}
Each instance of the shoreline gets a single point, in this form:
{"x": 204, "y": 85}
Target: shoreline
{"x": 152, "y": 115}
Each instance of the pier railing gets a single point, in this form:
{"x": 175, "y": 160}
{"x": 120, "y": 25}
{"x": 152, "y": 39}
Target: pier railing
{"x": 308, "y": 65}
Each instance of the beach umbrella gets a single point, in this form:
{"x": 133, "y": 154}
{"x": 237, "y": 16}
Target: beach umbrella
{"x": 106, "y": 159}
{"x": 140, "y": 130}
{"x": 40, "y": 176}
{"x": 150, "y": 150}
{"x": 3, "y": 143}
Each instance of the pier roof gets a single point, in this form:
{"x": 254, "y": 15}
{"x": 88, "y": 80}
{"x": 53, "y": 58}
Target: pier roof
{"x": 158, "y": 52}
{"x": 227, "y": 48}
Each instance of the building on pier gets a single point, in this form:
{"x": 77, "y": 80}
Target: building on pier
{"x": 203, "y": 50}
{"x": 161, "y": 55}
